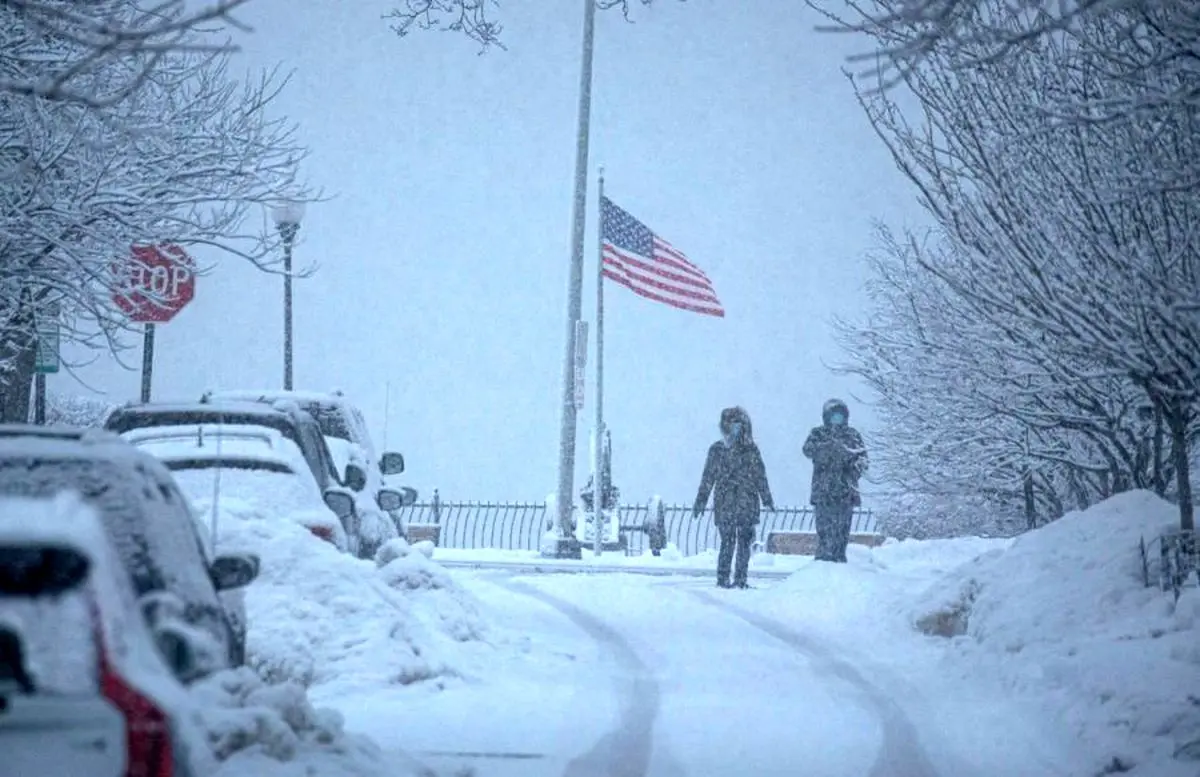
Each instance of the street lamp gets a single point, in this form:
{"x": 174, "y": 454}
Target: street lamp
{"x": 287, "y": 217}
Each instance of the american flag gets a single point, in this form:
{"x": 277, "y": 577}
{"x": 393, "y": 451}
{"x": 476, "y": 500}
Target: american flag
{"x": 647, "y": 265}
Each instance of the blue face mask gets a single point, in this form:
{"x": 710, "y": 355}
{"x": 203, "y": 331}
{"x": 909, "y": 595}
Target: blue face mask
{"x": 837, "y": 419}
{"x": 733, "y": 434}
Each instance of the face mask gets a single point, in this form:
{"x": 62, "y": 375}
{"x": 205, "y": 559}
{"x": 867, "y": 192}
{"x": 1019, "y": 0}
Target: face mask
{"x": 837, "y": 419}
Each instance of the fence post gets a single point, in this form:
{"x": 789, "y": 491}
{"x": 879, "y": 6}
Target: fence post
{"x": 437, "y": 507}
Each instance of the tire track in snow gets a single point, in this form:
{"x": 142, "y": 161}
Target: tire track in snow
{"x": 900, "y": 753}
{"x": 624, "y": 751}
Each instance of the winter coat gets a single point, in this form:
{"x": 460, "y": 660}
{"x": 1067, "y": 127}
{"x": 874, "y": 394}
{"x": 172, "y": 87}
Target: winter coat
{"x": 839, "y": 459}
{"x": 737, "y": 478}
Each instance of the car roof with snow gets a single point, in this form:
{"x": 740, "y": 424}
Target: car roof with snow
{"x": 230, "y": 443}
{"x": 295, "y": 424}
{"x": 338, "y": 417}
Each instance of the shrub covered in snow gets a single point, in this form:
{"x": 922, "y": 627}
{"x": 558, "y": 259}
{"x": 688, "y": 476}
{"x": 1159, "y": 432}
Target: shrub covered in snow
{"x": 924, "y": 516}
{"x": 274, "y": 731}
{"x": 1063, "y": 614}
{"x": 77, "y": 410}
{"x": 326, "y": 620}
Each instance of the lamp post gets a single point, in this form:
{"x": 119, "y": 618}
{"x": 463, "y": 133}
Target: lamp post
{"x": 287, "y": 217}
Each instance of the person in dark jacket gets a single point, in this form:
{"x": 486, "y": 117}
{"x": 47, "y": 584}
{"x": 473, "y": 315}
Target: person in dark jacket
{"x": 839, "y": 459}
{"x": 735, "y": 475}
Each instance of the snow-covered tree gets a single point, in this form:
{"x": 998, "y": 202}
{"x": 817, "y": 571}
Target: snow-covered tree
{"x": 475, "y": 19}
{"x": 180, "y": 159}
{"x": 1165, "y": 34}
{"x": 1056, "y": 240}
{"x": 64, "y": 50}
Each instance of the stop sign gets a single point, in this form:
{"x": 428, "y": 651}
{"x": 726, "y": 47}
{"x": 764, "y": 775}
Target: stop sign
{"x": 154, "y": 283}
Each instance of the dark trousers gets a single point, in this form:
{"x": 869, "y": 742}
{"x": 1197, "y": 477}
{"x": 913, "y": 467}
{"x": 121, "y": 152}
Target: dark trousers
{"x": 833, "y": 530}
{"x": 739, "y": 537}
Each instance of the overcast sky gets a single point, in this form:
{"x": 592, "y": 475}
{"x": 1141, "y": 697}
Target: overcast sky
{"x": 726, "y": 127}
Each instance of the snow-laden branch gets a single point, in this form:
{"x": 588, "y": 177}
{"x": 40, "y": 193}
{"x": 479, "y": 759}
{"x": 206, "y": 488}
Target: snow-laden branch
{"x": 61, "y": 50}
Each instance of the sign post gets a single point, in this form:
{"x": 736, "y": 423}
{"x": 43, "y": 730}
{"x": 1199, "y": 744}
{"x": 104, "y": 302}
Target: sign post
{"x": 151, "y": 287}
{"x": 47, "y": 359}
{"x": 581, "y": 347}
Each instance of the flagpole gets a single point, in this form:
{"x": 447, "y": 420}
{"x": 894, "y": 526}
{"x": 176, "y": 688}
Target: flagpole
{"x": 566, "y": 442}
{"x": 598, "y": 478}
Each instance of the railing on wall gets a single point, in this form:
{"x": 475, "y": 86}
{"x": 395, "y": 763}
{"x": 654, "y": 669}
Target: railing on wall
{"x": 520, "y": 525}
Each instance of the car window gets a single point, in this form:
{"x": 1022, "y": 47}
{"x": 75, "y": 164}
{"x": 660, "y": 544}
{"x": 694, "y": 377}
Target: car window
{"x": 58, "y": 640}
{"x": 331, "y": 419}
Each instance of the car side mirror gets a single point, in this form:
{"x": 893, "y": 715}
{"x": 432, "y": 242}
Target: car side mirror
{"x": 341, "y": 503}
{"x": 393, "y": 499}
{"x": 41, "y": 570}
{"x": 356, "y": 477}
{"x": 234, "y": 570}
{"x": 391, "y": 463}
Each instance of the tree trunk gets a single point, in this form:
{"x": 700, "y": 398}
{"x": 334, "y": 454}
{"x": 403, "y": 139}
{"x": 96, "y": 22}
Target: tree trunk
{"x": 1030, "y": 504}
{"x": 1161, "y": 476}
{"x": 1178, "y": 416}
{"x": 16, "y": 385}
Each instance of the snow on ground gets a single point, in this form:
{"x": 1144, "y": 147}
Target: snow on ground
{"x": 1057, "y": 620}
{"x": 1063, "y": 615}
{"x": 671, "y": 561}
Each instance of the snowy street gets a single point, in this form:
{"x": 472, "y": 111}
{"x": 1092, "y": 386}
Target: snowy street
{"x": 648, "y": 670}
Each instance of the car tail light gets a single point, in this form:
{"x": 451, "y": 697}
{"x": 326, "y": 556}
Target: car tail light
{"x": 148, "y": 733}
{"x": 147, "y": 730}
{"x": 324, "y": 532}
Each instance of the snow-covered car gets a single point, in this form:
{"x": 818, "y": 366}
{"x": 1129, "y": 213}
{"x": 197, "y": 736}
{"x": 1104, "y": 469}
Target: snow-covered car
{"x": 365, "y": 531}
{"x": 350, "y": 444}
{"x": 345, "y": 431}
{"x": 249, "y": 463}
{"x": 83, "y": 686}
{"x": 151, "y": 526}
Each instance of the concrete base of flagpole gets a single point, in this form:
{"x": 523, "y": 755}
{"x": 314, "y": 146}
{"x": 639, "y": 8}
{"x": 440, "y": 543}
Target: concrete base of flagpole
{"x": 563, "y": 547}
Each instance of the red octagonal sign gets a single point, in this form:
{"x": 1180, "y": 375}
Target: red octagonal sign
{"x": 155, "y": 283}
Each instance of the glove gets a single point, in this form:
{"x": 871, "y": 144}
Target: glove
{"x": 697, "y": 511}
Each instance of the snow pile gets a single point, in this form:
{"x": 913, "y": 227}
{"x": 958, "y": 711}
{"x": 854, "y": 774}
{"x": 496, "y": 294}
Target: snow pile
{"x": 1062, "y": 615}
{"x": 334, "y": 624}
{"x": 274, "y": 731}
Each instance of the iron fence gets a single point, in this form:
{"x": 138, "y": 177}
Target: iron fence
{"x": 520, "y": 525}
{"x": 1171, "y": 561}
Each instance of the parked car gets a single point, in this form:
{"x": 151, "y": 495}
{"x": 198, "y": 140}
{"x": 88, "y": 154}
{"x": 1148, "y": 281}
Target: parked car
{"x": 83, "y": 689}
{"x": 365, "y": 531}
{"x": 345, "y": 431}
{"x": 150, "y": 524}
{"x": 256, "y": 464}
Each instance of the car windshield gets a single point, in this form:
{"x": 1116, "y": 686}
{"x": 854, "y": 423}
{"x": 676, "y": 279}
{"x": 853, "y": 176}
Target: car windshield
{"x": 151, "y": 528}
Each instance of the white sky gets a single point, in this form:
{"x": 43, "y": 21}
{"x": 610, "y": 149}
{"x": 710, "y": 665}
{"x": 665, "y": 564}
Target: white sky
{"x": 726, "y": 127}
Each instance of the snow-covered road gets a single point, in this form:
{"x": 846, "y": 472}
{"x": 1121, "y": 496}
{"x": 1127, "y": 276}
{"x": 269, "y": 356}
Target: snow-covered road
{"x": 669, "y": 677}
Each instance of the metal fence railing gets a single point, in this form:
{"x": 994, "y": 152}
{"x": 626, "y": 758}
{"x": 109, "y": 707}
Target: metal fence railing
{"x": 520, "y": 525}
{"x": 1171, "y": 561}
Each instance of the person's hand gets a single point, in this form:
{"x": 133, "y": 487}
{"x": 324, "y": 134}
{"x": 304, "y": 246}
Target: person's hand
{"x": 696, "y": 512}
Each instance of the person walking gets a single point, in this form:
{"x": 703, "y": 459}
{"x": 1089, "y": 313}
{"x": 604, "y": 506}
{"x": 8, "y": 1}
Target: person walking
{"x": 839, "y": 459}
{"x": 735, "y": 475}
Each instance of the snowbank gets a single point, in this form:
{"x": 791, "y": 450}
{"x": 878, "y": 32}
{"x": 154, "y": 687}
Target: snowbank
{"x": 336, "y": 624}
{"x": 274, "y": 731}
{"x": 1062, "y": 615}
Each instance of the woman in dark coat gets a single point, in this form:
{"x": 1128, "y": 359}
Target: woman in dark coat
{"x": 734, "y": 472}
